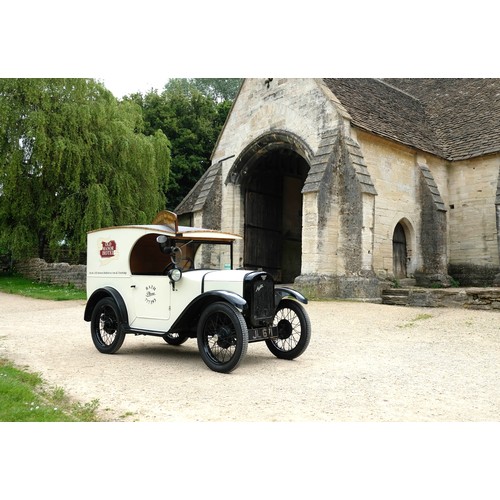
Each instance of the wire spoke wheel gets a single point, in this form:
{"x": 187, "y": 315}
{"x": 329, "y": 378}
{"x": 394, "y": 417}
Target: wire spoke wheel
{"x": 222, "y": 337}
{"x": 108, "y": 326}
{"x": 294, "y": 330}
{"x": 106, "y": 330}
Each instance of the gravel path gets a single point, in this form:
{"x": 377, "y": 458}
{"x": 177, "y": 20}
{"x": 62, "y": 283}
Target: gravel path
{"x": 366, "y": 363}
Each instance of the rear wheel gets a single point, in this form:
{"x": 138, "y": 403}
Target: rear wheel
{"x": 294, "y": 330}
{"x": 222, "y": 337}
{"x": 174, "y": 338}
{"x": 105, "y": 326}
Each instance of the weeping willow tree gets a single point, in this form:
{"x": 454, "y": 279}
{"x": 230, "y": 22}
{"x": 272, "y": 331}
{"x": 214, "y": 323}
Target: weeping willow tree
{"x": 73, "y": 159}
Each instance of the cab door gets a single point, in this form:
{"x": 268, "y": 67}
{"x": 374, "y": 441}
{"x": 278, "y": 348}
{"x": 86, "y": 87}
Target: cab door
{"x": 151, "y": 296}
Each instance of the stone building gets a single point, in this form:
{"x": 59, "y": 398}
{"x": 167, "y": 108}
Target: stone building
{"x": 339, "y": 185}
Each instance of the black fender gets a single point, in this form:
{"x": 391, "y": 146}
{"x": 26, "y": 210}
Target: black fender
{"x": 283, "y": 292}
{"x": 193, "y": 310}
{"x": 99, "y": 294}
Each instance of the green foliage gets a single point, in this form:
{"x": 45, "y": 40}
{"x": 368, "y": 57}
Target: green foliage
{"x": 191, "y": 113}
{"x": 396, "y": 283}
{"x": 73, "y": 159}
{"x": 24, "y": 398}
{"x": 217, "y": 89}
{"x": 29, "y": 288}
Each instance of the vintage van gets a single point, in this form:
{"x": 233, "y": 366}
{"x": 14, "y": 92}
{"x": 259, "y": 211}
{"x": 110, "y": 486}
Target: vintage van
{"x": 180, "y": 283}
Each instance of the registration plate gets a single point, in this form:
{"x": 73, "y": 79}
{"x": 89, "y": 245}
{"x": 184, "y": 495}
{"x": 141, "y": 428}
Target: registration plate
{"x": 266, "y": 332}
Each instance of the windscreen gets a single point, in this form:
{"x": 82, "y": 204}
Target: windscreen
{"x": 213, "y": 256}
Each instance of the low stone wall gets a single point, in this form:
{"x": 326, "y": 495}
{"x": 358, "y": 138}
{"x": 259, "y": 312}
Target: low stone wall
{"x": 471, "y": 298}
{"x": 318, "y": 287}
{"x": 60, "y": 273}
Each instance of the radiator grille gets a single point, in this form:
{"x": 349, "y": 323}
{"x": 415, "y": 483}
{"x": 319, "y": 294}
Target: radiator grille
{"x": 261, "y": 300}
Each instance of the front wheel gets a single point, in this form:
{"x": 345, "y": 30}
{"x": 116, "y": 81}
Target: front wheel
{"x": 105, "y": 326}
{"x": 294, "y": 330}
{"x": 222, "y": 337}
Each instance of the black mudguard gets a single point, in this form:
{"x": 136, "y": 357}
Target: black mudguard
{"x": 283, "y": 292}
{"x": 197, "y": 306}
{"x": 99, "y": 294}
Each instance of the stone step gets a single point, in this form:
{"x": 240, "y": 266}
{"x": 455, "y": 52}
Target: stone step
{"x": 406, "y": 282}
{"x": 470, "y": 298}
{"x": 402, "y": 292}
{"x": 395, "y": 296}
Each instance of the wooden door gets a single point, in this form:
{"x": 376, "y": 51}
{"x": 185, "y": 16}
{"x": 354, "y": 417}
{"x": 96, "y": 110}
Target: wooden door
{"x": 273, "y": 214}
{"x": 263, "y": 239}
{"x": 399, "y": 255}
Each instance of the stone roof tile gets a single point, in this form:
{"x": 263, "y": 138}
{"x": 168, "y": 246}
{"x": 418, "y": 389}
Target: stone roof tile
{"x": 454, "y": 118}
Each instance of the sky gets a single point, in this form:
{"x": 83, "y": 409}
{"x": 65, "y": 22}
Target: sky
{"x": 121, "y": 85}
{"x": 133, "y": 46}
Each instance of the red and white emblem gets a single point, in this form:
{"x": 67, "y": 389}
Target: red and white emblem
{"x": 108, "y": 249}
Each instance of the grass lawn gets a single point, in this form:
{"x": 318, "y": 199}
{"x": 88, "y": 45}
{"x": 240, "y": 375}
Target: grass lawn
{"x": 24, "y": 397}
{"x": 29, "y": 288}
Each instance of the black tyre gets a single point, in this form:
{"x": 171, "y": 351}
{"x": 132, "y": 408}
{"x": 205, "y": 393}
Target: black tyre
{"x": 222, "y": 337}
{"x": 174, "y": 338}
{"x": 294, "y": 330}
{"x": 105, "y": 326}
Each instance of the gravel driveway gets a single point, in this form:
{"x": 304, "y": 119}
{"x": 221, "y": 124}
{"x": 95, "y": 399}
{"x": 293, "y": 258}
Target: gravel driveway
{"x": 366, "y": 362}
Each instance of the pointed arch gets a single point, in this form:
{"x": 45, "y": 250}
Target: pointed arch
{"x": 269, "y": 175}
{"x": 403, "y": 245}
{"x": 278, "y": 139}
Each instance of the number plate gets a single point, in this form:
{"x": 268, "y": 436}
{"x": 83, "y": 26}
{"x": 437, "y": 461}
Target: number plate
{"x": 266, "y": 332}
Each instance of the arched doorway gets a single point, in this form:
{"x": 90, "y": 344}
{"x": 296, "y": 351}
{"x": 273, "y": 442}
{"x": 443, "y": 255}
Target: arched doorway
{"x": 399, "y": 251}
{"x": 272, "y": 188}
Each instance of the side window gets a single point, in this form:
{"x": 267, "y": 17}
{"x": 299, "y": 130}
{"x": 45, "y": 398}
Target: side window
{"x": 147, "y": 258}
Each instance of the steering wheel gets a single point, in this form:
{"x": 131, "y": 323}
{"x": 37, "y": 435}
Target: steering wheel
{"x": 168, "y": 267}
{"x": 187, "y": 264}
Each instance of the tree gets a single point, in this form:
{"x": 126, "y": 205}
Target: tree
{"x": 73, "y": 159}
{"x": 191, "y": 113}
{"x": 217, "y": 89}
